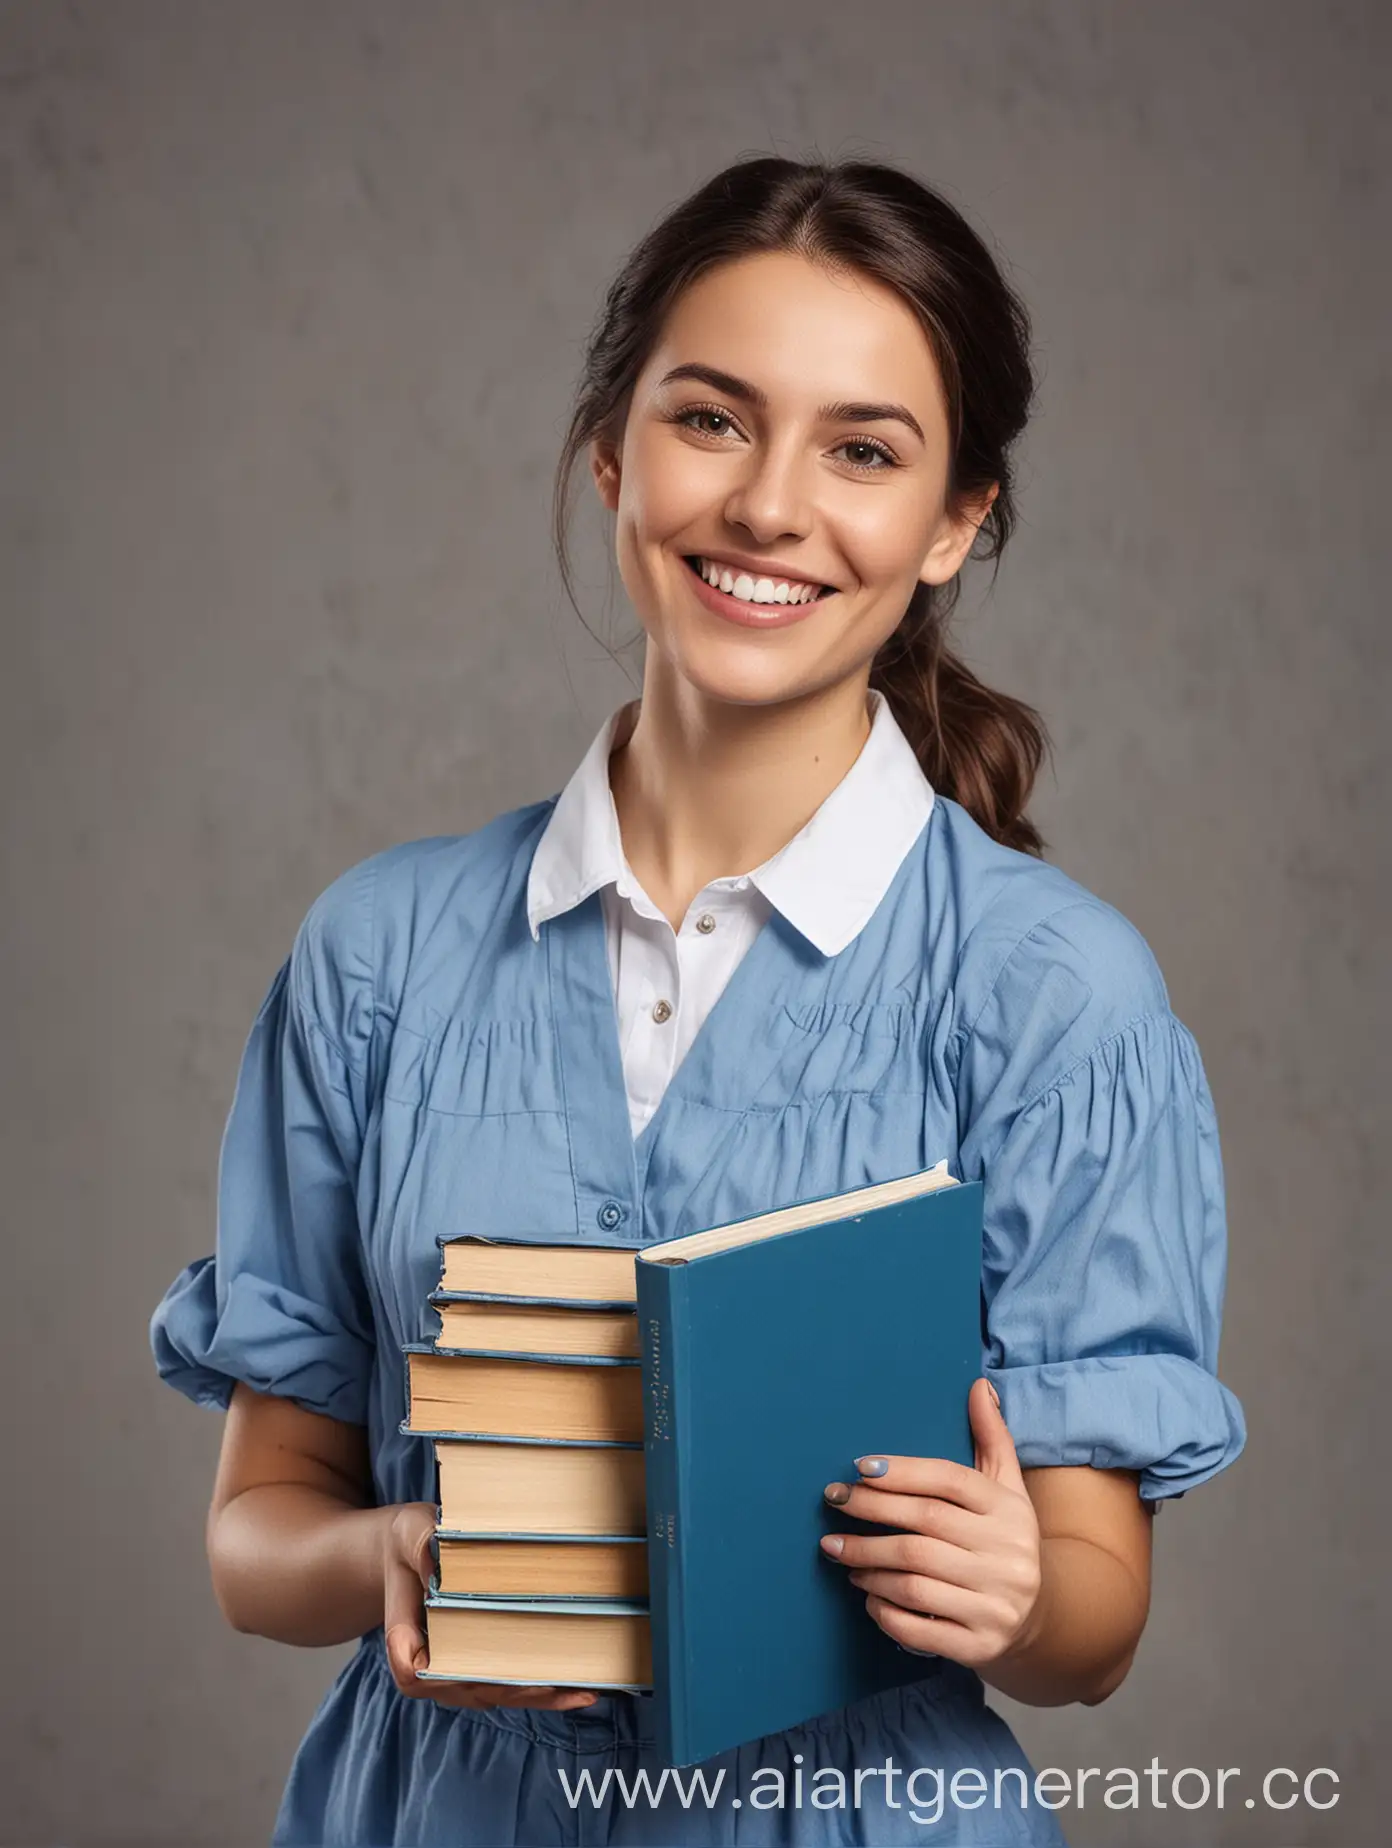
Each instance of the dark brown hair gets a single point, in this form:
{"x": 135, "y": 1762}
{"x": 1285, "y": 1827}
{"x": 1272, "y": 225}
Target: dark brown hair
{"x": 979, "y": 747}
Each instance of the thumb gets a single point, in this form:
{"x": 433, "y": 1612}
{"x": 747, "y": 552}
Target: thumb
{"x": 408, "y": 1561}
{"x": 403, "y": 1620}
{"x": 995, "y": 1448}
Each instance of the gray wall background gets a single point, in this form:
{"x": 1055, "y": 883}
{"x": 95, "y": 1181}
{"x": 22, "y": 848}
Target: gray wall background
{"x": 293, "y": 296}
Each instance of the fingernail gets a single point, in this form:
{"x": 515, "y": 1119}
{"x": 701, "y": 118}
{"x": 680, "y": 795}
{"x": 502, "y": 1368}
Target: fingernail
{"x": 833, "y": 1543}
{"x": 836, "y": 1493}
{"x": 872, "y": 1466}
{"x": 994, "y": 1394}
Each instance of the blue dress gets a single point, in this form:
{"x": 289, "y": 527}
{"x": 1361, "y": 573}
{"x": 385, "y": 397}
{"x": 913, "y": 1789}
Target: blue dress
{"x": 422, "y": 1067}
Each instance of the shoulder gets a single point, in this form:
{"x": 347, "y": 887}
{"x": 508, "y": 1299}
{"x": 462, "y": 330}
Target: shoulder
{"x": 1045, "y": 969}
{"x": 358, "y": 935}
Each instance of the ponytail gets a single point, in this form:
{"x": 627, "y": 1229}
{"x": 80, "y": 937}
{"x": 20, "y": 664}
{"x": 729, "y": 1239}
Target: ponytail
{"x": 979, "y": 747}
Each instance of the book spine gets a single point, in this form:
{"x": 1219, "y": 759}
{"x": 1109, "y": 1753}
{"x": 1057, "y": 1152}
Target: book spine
{"x": 661, "y": 1314}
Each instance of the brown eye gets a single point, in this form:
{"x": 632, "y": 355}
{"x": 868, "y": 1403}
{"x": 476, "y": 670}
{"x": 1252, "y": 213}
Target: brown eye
{"x": 885, "y": 458}
{"x": 691, "y": 418}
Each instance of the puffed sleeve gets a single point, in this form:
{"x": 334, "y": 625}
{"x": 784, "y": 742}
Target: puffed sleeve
{"x": 1093, "y": 1131}
{"x": 283, "y": 1304}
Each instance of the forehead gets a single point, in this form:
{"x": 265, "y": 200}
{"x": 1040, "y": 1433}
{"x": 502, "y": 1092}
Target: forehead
{"x": 802, "y": 331}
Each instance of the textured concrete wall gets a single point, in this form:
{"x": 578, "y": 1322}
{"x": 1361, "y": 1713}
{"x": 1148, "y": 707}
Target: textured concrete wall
{"x": 292, "y": 296}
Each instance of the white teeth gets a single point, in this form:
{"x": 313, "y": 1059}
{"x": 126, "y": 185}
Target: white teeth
{"x": 750, "y": 589}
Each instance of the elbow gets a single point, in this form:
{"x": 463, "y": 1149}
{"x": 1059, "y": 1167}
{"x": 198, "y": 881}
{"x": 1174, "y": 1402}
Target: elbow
{"x": 231, "y": 1614}
{"x": 226, "y": 1602}
{"x": 234, "y": 1622}
{"x": 1127, "y": 1644}
{"x": 224, "y": 1585}
{"x": 1111, "y": 1681}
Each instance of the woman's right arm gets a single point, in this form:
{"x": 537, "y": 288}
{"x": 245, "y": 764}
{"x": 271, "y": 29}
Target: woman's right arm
{"x": 300, "y": 1554}
{"x": 294, "y": 1543}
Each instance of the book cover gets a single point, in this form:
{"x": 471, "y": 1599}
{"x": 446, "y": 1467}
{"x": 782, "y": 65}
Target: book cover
{"x": 768, "y": 1367}
{"x": 612, "y": 1303}
{"x": 532, "y": 1533}
{"x": 527, "y": 1354}
{"x": 407, "y": 1429}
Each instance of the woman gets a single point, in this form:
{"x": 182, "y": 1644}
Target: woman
{"x": 786, "y": 931}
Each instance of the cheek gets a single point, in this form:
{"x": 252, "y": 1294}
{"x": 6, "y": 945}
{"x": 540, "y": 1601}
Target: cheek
{"x": 888, "y": 542}
{"x": 668, "y": 488}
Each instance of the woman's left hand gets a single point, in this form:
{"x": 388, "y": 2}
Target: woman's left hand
{"x": 964, "y": 1580}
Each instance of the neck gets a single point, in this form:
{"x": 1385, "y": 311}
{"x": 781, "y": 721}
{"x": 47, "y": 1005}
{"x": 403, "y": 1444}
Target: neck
{"x": 707, "y": 790}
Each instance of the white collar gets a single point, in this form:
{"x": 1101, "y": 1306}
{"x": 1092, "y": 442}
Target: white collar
{"x": 827, "y": 881}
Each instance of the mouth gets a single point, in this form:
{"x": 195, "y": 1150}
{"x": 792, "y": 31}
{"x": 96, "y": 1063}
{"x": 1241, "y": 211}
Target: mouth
{"x": 760, "y": 609}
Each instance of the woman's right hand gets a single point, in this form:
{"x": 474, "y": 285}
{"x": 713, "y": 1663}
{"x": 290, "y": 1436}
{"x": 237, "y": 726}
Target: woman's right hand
{"x": 407, "y": 1567}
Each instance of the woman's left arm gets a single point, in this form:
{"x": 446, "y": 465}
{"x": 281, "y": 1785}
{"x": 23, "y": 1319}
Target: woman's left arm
{"x": 1038, "y": 1580}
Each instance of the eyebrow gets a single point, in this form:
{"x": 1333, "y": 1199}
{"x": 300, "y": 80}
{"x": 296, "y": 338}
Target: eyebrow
{"x": 846, "y": 411}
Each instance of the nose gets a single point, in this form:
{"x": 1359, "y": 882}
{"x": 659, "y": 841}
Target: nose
{"x": 770, "y": 499}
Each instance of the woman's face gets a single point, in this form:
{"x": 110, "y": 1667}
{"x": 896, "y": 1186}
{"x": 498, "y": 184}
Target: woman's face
{"x": 789, "y": 428}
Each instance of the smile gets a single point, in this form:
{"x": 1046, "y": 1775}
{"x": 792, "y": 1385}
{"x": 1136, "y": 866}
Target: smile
{"x": 756, "y": 602}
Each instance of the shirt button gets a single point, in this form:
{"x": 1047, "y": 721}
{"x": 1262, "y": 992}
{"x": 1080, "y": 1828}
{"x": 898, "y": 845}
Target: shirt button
{"x": 705, "y": 923}
{"x": 662, "y": 1011}
{"x": 611, "y": 1214}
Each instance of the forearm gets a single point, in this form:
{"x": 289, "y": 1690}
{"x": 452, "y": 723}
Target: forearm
{"x": 299, "y": 1565}
{"x": 1084, "y": 1631}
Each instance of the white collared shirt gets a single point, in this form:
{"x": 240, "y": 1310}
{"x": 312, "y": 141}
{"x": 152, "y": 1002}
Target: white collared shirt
{"x": 827, "y": 881}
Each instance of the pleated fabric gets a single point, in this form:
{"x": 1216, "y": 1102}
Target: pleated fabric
{"x": 421, "y": 1067}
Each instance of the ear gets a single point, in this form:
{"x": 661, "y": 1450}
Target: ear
{"x": 953, "y": 540}
{"x": 606, "y": 465}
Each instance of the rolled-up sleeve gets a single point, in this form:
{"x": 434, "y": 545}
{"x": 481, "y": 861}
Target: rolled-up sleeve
{"x": 283, "y": 1304}
{"x": 1105, "y": 1227}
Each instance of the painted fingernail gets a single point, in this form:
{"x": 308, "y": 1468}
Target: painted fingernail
{"x": 872, "y": 1466}
{"x": 836, "y": 1493}
{"x": 833, "y": 1543}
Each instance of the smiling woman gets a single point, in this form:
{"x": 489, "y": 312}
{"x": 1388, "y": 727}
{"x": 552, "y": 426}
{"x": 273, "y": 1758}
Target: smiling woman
{"x": 827, "y": 371}
{"x": 786, "y": 931}
{"x": 814, "y": 496}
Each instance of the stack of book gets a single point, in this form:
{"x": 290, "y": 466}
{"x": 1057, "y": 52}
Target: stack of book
{"x": 632, "y": 1446}
{"x": 532, "y": 1394}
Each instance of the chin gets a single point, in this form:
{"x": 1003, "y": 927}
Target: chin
{"x": 743, "y": 676}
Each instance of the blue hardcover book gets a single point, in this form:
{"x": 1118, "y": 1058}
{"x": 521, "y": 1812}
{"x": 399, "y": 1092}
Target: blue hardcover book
{"x": 542, "y": 1302}
{"x": 607, "y": 1641}
{"x": 774, "y": 1353}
